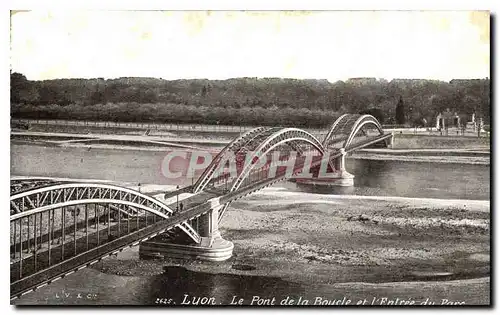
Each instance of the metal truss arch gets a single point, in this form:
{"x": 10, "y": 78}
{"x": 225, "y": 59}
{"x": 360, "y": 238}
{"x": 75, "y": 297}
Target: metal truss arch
{"x": 234, "y": 146}
{"x": 286, "y": 135}
{"x": 283, "y": 136}
{"x": 55, "y": 194}
{"x": 360, "y": 123}
{"x": 86, "y": 201}
{"x": 333, "y": 128}
{"x": 345, "y": 128}
{"x": 32, "y": 202}
{"x": 19, "y": 185}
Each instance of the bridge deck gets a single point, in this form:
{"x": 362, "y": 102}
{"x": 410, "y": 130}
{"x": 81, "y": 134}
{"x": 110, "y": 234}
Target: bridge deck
{"x": 58, "y": 267}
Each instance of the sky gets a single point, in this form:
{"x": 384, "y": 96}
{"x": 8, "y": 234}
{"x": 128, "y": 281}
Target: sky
{"x": 332, "y": 45}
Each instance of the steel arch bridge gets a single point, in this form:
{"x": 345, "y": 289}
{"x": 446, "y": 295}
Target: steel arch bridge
{"x": 346, "y": 128}
{"x": 275, "y": 140}
{"x": 59, "y": 227}
{"x": 348, "y": 133}
{"x": 259, "y": 140}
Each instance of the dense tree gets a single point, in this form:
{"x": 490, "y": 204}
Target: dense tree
{"x": 18, "y": 83}
{"x": 400, "y": 112}
{"x": 246, "y": 100}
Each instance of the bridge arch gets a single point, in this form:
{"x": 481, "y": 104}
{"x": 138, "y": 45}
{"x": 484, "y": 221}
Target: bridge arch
{"x": 334, "y": 129}
{"x": 361, "y": 122}
{"x": 59, "y": 194}
{"x": 289, "y": 136}
{"x": 234, "y": 146}
{"x": 346, "y": 127}
{"x": 66, "y": 195}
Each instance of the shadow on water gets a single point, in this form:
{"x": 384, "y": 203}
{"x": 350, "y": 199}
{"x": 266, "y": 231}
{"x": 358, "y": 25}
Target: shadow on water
{"x": 180, "y": 286}
{"x": 183, "y": 286}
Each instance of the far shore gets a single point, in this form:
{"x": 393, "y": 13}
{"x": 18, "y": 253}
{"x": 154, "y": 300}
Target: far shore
{"x": 451, "y": 152}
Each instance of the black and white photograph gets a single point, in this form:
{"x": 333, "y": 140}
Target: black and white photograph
{"x": 181, "y": 158}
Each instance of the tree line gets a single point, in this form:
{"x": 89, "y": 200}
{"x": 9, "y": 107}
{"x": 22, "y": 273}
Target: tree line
{"x": 246, "y": 101}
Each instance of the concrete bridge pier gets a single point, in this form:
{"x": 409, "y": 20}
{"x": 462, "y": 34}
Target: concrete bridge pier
{"x": 211, "y": 239}
{"x": 212, "y": 247}
{"x": 342, "y": 176}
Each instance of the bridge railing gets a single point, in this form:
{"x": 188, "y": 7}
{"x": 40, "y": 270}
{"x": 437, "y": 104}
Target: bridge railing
{"x": 41, "y": 239}
{"x": 225, "y": 181}
{"x": 134, "y": 125}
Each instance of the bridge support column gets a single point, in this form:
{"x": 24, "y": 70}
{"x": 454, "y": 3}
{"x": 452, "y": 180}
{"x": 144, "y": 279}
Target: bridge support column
{"x": 344, "y": 177}
{"x": 209, "y": 227}
{"x": 340, "y": 162}
{"x": 340, "y": 177}
{"x": 210, "y": 234}
{"x": 212, "y": 247}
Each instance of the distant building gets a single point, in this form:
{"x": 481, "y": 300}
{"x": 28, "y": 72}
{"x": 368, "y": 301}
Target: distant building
{"x": 446, "y": 119}
{"x": 463, "y": 81}
{"x": 396, "y": 80}
{"x": 453, "y": 119}
{"x": 412, "y": 82}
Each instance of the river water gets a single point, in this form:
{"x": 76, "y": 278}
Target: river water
{"x": 372, "y": 177}
{"x": 413, "y": 179}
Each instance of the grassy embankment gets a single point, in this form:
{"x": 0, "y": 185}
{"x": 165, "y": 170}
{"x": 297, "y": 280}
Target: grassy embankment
{"x": 409, "y": 141}
{"x": 401, "y": 141}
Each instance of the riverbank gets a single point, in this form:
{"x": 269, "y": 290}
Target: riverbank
{"x": 449, "y": 155}
{"x": 318, "y": 246}
{"x": 403, "y": 138}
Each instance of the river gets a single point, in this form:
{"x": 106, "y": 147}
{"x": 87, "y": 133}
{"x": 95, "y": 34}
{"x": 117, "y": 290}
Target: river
{"x": 372, "y": 177}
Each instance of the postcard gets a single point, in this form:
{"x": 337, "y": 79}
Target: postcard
{"x": 250, "y": 158}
